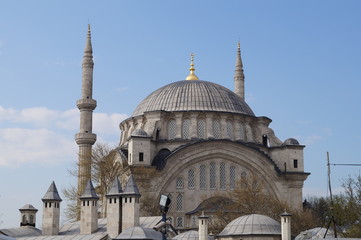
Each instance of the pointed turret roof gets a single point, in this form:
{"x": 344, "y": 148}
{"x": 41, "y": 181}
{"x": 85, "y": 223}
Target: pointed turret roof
{"x": 52, "y": 194}
{"x": 89, "y": 192}
{"x": 131, "y": 188}
{"x": 116, "y": 188}
{"x": 88, "y": 50}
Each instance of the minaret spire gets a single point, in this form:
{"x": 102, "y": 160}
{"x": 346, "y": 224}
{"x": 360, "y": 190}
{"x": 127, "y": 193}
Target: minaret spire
{"x": 239, "y": 75}
{"x": 86, "y": 138}
{"x": 191, "y": 75}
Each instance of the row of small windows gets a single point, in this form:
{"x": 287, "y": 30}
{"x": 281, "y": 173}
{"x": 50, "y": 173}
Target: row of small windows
{"x": 56, "y": 205}
{"x": 88, "y": 203}
{"x": 212, "y": 177}
{"x": 201, "y": 129}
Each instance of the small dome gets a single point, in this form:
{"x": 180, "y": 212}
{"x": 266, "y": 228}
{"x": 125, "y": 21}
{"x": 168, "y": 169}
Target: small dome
{"x": 189, "y": 235}
{"x": 193, "y": 96}
{"x": 139, "y": 133}
{"x": 28, "y": 207}
{"x": 253, "y": 224}
{"x": 315, "y": 233}
{"x": 291, "y": 141}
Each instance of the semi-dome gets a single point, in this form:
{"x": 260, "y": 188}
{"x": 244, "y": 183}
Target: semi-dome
{"x": 253, "y": 224}
{"x": 291, "y": 141}
{"x": 193, "y": 96}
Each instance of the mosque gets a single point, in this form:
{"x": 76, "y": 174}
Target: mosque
{"x": 191, "y": 140}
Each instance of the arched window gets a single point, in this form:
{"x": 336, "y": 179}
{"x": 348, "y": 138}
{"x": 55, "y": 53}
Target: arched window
{"x": 241, "y": 131}
{"x": 179, "y": 205}
{"x": 216, "y": 128}
{"x": 179, "y": 222}
{"x": 186, "y": 128}
{"x": 201, "y": 128}
{"x": 202, "y": 177}
{"x": 179, "y": 183}
{"x": 31, "y": 219}
{"x": 212, "y": 175}
{"x": 229, "y": 127}
{"x": 171, "y": 204}
{"x": 191, "y": 179}
{"x": 232, "y": 177}
{"x": 24, "y": 219}
{"x": 194, "y": 222}
{"x": 222, "y": 176}
{"x": 172, "y": 129}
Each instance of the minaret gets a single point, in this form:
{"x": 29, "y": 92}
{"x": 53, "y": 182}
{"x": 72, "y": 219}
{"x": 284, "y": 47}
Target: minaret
{"x": 51, "y": 211}
{"x": 114, "y": 209}
{"x": 203, "y": 227}
{"x": 286, "y": 226}
{"x": 88, "y": 210}
{"x": 191, "y": 75}
{"x": 85, "y": 138}
{"x": 239, "y": 75}
{"x": 130, "y": 205}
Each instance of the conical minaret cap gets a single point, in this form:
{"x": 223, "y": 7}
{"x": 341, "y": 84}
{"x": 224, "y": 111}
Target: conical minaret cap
{"x": 131, "y": 188}
{"x": 191, "y": 75}
{"x": 89, "y": 192}
{"x": 88, "y": 50}
{"x": 52, "y": 194}
{"x": 115, "y": 189}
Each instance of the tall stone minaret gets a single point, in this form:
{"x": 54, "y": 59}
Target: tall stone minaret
{"x": 85, "y": 138}
{"x": 239, "y": 75}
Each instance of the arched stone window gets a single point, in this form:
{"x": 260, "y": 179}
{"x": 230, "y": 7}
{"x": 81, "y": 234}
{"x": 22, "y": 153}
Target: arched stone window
{"x": 179, "y": 183}
{"x": 232, "y": 177}
{"x": 172, "y": 128}
{"x": 216, "y": 128}
{"x": 202, "y": 177}
{"x": 179, "y": 222}
{"x": 229, "y": 127}
{"x": 194, "y": 221}
{"x": 179, "y": 203}
{"x": 24, "y": 219}
{"x": 191, "y": 179}
{"x": 222, "y": 176}
{"x": 186, "y": 133}
{"x": 241, "y": 131}
{"x": 212, "y": 175}
{"x": 201, "y": 128}
{"x": 31, "y": 219}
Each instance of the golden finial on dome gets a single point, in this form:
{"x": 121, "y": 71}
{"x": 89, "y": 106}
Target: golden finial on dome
{"x": 191, "y": 75}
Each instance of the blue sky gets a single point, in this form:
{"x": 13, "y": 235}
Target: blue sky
{"x": 302, "y": 62}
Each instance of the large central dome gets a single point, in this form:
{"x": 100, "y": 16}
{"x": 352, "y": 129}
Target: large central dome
{"x": 193, "y": 96}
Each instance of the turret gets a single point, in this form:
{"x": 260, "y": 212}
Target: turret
{"x": 286, "y": 226}
{"x": 88, "y": 210}
{"x": 203, "y": 227}
{"x": 86, "y": 138}
{"x": 51, "y": 211}
{"x": 114, "y": 209}
{"x": 28, "y": 215}
{"x": 239, "y": 75}
{"x": 130, "y": 205}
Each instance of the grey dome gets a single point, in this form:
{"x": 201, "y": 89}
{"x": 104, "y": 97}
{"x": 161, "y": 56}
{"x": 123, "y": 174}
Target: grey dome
{"x": 139, "y": 133}
{"x": 253, "y": 224}
{"x": 28, "y": 207}
{"x": 291, "y": 141}
{"x": 193, "y": 96}
{"x": 189, "y": 235}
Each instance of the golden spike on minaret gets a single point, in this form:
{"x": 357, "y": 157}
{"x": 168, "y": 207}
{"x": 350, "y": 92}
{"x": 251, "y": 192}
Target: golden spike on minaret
{"x": 191, "y": 75}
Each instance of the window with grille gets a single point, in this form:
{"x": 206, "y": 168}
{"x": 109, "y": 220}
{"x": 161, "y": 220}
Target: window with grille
{"x": 232, "y": 177}
{"x": 186, "y": 128}
{"x": 241, "y": 131}
{"x": 172, "y": 129}
{"x": 201, "y": 128}
{"x": 194, "y": 221}
{"x": 179, "y": 222}
{"x": 179, "y": 203}
{"x": 212, "y": 175}
{"x": 179, "y": 183}
{"x": 191, "y": 179}
{"x": 202, "y": 177}
{"x": 216, "y": 128}
{"x": 229, "y": 127}
{"x": 222, "y": 176}
{"x": 171, "y": 202}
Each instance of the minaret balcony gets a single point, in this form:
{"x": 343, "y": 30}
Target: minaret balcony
{"x": 86, "y": 103}
{"x": 85, "y": 138}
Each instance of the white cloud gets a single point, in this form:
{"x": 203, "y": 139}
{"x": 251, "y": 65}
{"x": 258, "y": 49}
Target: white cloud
{"x": 19, "y": 146}
{"x": 107, "y": 124}
{"x": 122, "y": 89}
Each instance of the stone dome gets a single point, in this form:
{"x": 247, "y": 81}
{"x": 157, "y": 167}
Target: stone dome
{"x": 291, "y": 141}
{"x": 193, "y": 96}
{"x": 253, "y": 224}
{"x": 139, "y": 133}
